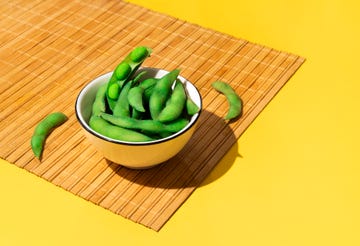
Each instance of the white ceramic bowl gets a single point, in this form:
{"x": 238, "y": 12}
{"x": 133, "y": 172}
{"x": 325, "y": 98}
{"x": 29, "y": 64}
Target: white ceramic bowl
{"x": 135, "y": 154}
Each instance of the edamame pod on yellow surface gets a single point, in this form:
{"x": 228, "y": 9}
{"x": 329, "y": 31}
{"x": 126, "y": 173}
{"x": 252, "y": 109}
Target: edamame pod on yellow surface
{"x": 234, "y": 100}
{"x": 43, "y": 129}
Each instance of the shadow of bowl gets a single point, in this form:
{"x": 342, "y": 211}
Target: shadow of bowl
{"x": 211, "y": 141}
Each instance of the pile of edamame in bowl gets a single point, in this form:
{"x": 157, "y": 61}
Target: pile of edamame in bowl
{"x": 136, "y": 107}
{"x": 138, "y": 116}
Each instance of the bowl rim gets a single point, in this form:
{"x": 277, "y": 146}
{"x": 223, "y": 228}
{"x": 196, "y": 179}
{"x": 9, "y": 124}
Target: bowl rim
{"x": 86, "y": 126}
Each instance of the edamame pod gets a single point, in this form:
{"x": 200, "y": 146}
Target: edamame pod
{"x": 43, "y": 129}
{"x": 234, "y": 100}
{"x": 138, "y": 93}
{"x": 148, "y": 85}
{"x": 139, "y": 53}
{"x": 161, "y": 92}
{"x": 103, "y": 127}
{"x": 135, "y": 98}
{"x": 152, "y": 126}
{"x": 122, "y": 106}
{"x": 149, "y": 82}
{"x": 124, "y": 71}
{"x": 137, "y": 78}
{"x": 118, "y": 78}
{"x": 176, "y": 125}
{"x": 191, "y": 107}
{"x": 136, "y": 114}
{"x": 175, "y": 105}
{"x": 147, "y": 93}
{"x": 99, "y": 105}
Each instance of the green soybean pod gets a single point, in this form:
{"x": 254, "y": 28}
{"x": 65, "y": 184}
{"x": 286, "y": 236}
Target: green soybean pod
{"x": 137, "y": 78}
{"x": 99, "y": 105}
{"x": 103, "y": 127}
{"x": 175, "y": 105}
{"x": 164, "y": 134}
{"x": 113, "y": 91}
{"x": 176, "y": 125}
{"x": 135, "y": 98}
{"x": 161, "y": 93}
{"x": 43, "y": 129}
{"x": 148, "y": 85}
{"x": 121, "y": 73}
{"x": 136, "y": 114}
{"x": 147, "y": 94}
{"x": 152, "y": 126}
{"x": 149, "y": 82}
{"x": 142, "y": 53}
{"x": 139, "y": 53}
{"x": 234, "y": 100}
{"x": 172, "y": 127}
{"x": 191, "y": 107}
{"x": 122, "y": 106}
{"x": 124, "y": 70}
{"x": 131, "y": 123}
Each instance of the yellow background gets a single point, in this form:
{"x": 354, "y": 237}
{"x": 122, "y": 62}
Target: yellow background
{"x": 295, "y": 179}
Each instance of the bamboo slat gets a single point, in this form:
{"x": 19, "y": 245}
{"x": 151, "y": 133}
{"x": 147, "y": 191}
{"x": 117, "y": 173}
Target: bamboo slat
{"x": 50, "y": 50}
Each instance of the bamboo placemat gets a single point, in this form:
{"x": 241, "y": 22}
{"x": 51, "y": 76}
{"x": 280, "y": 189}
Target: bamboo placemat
{"x": 50, "y": 49}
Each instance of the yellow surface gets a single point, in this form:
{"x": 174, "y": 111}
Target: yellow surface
{"x": 295, "y": 179}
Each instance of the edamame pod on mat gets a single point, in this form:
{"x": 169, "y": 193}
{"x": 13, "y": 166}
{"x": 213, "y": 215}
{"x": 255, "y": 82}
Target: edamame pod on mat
{"x": 124, "y": 71}
{"x": 234, "y": 100}
{"x": 43, "y": 129}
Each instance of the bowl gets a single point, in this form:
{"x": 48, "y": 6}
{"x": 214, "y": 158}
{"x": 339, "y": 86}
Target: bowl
{"x": 136, "y": 155}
